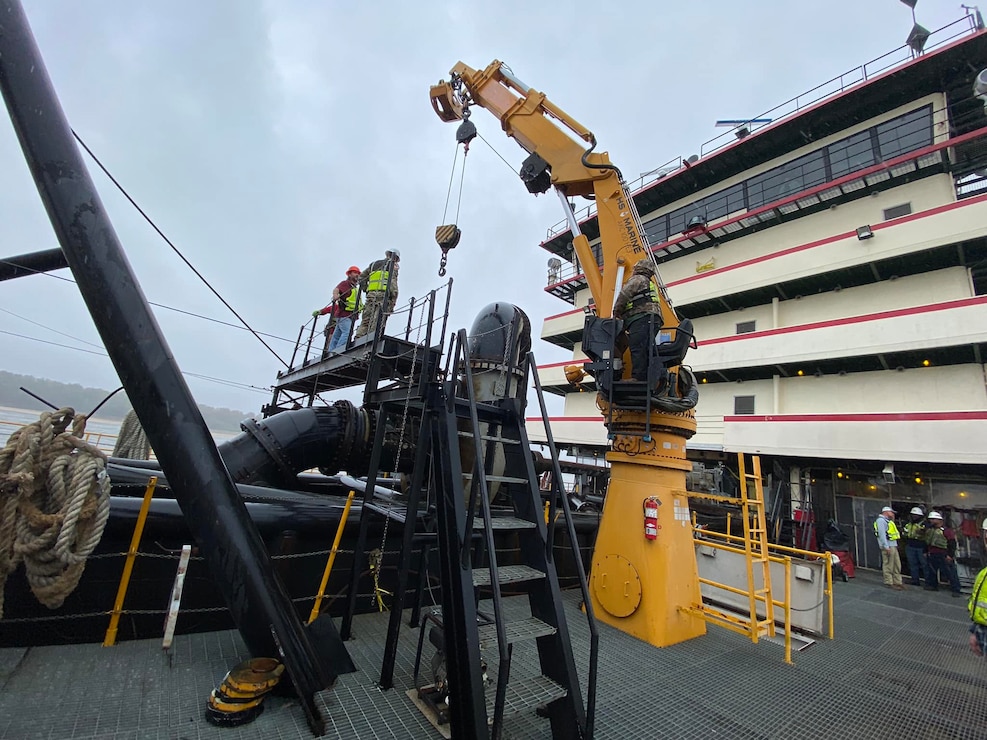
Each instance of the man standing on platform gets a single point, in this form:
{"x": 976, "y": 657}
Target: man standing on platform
{"x": 380, "y": 283}
{"x": 887, "y": 540}
{"x": 345, "y": 307}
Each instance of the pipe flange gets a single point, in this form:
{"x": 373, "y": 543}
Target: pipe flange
{"x": 266, "y": 439}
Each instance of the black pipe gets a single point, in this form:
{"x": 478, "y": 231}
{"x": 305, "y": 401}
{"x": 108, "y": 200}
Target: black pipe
{"x": 214, "y": 511}
{"x": 32, "y": 264}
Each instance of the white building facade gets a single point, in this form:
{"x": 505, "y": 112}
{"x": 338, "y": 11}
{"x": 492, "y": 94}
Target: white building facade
{"x": 836, "y": 276}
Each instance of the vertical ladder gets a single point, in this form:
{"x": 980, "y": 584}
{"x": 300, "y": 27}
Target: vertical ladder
{"x": 756, "y": 547}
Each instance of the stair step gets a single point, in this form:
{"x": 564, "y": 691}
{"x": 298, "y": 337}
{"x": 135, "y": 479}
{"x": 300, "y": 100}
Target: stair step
{"x": 508, "y": 574}
{"x": 524, "y": 693}
{"x": 490, "y": 438}
{"x": 526, "y": 629}
{"x": 499, "y": 478}
{"x": 504, "y": 522}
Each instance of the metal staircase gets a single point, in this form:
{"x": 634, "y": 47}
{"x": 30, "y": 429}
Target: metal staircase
{"x": 467, "y": 455}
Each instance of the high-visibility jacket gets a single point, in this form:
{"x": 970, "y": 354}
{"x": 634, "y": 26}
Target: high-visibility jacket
{"x": 937, "y": 539}
{"x": 642, "y": 298}
{"x": 893, "y": 534}
{"x": 978, "y": 599}
{"x": 379, "y": 276}
{"x": 915, "y": 531}
{"x": 350, "y": 305}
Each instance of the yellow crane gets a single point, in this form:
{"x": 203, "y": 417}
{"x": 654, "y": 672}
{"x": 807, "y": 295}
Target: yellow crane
{"x": 643, "y": 577}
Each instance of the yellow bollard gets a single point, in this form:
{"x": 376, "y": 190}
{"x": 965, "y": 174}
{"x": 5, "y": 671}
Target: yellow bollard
{"x": 332, "y": 558}
{"x": 111, "y": 632}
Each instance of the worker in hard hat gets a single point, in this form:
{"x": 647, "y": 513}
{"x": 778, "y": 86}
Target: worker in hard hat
{"x": 887, "y": 540}
{"x": 638, "y": 305}
{"x": 914, "y": 533}
{"x": 345, "y": 307}
{"x": 942, "y": 550}
{"x": 977, "y": 607}
{"x": 380, "y": 283}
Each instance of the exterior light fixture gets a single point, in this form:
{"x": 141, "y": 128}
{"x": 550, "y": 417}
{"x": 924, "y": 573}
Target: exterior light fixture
{"x": 865, "y": 232}
{"x": 800, "y": 373}
{"x": 910, "y": 3}
{"x": 917, "y": 38}
{"x": 839, "y": 474}
{"x": 888, "y": 473}
{"x": 918, "y": 480}
{"x": 742, "y": 133}
{"x": 925, "y": 363}
{"x": 696, "y": 222}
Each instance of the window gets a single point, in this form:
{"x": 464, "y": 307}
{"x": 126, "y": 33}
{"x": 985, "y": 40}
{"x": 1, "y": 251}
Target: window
{"x": 657, "y": 230}
{"x": 746, "y": 327}
{"x": 853, "y": 153}
{"x": 897, "y": 211}
{"x": 905, "y": 133}
{"x": 790, "y": 178}
{"x": 743, "y": 405}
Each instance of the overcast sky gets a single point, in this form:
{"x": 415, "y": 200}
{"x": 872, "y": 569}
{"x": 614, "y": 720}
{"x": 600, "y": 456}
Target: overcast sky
{"x": 277, "y": 143}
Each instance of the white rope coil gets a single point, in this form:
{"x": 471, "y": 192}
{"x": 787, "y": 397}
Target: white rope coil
{"x": 54, "y": 503}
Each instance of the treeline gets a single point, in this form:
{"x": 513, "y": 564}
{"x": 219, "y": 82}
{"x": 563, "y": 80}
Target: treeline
{"x": 83, "y": 400}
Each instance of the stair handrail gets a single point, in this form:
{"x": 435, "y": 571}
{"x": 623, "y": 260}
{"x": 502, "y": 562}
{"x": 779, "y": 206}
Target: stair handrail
{"x": 594, "y": 636}
{"x": 479, "y": 475}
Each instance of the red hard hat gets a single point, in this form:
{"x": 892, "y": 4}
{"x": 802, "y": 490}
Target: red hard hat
{"x": 355, "y": 269}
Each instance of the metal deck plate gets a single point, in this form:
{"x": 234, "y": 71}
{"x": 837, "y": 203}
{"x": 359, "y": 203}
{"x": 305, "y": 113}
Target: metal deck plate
{"x": 901, "y": 655}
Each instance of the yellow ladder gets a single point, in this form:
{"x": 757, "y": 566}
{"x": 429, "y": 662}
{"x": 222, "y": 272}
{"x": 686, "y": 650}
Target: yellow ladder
{"x": 756, "y": 546}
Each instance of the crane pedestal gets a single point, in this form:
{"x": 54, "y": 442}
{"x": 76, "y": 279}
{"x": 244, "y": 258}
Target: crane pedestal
{"x": 644, "y": 587}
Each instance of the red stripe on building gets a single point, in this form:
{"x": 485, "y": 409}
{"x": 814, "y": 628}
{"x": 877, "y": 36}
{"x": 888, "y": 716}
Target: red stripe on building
{"x": 912, "y": 416}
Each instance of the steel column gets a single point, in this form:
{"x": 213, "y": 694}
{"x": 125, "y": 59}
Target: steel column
{"x": 147, "y": 369}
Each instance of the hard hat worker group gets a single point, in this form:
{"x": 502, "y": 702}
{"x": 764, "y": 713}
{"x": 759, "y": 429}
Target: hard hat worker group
{"x": 931, "y": 550}
{"x": 371, "y": 294}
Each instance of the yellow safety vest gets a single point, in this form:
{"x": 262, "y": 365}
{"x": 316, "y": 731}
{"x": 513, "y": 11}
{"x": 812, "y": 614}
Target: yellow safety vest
{"x": 914, "y": 530}
{"x": 892, "y": 530}
{"x": 350, "y": 305}
{"x": 639, "y": 298}
{"x": 978, "y": 603}
{"x": 378, "y": 280}
{"x": 937, "y": 539}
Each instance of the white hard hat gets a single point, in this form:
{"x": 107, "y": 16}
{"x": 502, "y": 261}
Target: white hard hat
{"x": 985, "y": 525}
{"x": 916, "y": 510}
{"x": 935, "y": 515}
{"x": 394, "y": 252}
{"x": 886, "y": 509}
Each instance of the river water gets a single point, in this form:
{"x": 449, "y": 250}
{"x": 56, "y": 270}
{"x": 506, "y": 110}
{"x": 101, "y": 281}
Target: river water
{"x": 101, "y": 432}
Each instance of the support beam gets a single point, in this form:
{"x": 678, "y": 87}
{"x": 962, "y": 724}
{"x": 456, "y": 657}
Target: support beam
{"x": 32, "y": 264}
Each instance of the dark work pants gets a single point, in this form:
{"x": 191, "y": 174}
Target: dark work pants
{"x": 916, "y": 562}
{"x": 937, "y": 566}
{"x": 641, "y": 332}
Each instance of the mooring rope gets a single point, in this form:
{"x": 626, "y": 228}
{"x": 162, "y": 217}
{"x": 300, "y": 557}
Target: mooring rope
{"x": 54, "y": 503}
{"x": 132, "y": 442}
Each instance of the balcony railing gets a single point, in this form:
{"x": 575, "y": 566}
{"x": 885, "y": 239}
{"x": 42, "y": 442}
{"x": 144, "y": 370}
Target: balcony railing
{"x": 569, "y": 277}
{"x": 967, "y": 25}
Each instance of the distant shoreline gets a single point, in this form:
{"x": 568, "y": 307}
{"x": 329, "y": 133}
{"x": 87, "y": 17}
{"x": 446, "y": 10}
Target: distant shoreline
{"x": 38, "y": 412}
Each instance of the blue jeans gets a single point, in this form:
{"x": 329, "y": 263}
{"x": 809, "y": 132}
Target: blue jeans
{"x": 341, "y": 333}
{"x": 937, "y": 566}
{"x": 916, "y": 563}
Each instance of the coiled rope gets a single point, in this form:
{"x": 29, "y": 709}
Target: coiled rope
{"x": 132, "y": 442}
{"x": 54, "y": 503}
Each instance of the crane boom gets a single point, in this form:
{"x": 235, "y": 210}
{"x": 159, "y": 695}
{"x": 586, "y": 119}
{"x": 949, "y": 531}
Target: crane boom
{"x": 558, "y": 156}
{"x": 648, "y": 585}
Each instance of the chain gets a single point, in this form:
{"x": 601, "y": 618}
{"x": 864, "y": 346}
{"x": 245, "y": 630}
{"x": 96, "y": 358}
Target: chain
{"x": 442, "y": 262}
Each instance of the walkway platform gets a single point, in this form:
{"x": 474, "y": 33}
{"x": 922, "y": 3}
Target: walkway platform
{"x": 898, "y": 657}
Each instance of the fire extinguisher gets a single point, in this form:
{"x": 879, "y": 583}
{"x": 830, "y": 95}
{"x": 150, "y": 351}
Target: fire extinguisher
{"x": 651, "y": 517}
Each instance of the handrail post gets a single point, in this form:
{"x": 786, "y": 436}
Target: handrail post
{"x": 111, "y": 632}
{"x": 317, "y": 606}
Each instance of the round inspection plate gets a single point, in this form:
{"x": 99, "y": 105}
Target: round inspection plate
{"x": 617, "y": 585}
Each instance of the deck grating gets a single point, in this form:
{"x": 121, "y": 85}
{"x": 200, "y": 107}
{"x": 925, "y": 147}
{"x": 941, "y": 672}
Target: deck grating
{"x": 899, "y": 655}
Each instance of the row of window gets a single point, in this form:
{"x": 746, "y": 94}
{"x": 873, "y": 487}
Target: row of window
{"x": 887, "y": 140}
